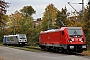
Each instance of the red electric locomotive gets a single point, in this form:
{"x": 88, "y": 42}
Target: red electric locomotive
{"x": 65, "y": 39}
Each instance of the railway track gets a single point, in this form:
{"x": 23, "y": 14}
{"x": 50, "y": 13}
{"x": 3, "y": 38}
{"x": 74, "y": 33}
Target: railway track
{"x": 38, "y": 49}
{"x": 51, "y": 51}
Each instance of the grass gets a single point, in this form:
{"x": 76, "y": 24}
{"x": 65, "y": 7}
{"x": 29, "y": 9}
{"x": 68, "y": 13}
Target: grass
{"x": 37, "y": 49}
{"x": 1, "y": 44}
{"x": 28, "y": 48}
{"x": 87, "y": 53}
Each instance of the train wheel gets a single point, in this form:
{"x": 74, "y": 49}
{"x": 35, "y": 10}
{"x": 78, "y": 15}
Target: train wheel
{"x": 63, "y": 51}
{"x": 56, "y": 49}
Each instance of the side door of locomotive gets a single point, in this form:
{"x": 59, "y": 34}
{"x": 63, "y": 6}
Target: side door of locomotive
{"x": 63, "y": 37}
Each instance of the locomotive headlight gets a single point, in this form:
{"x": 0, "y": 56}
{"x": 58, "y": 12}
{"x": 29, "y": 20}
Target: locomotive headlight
{"x": 71, "y": 47}
{"x": 71, "y": 40}
{"x": 20, "y": 43}
{"x": 81, "y": 39}
{"x": 83, "y": 46}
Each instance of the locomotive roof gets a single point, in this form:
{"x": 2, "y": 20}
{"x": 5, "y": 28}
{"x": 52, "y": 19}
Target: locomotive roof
{"x": 62, "y": 28}
{"x": 13, "y": 35}
{"x": 10, "y": 35}
{"x": 52, "y": 30}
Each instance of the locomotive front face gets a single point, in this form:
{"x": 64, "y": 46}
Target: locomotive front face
{"x": 22, "y": 39}
{"x": 76, "y": 36}
{"x": 77, "y": 40}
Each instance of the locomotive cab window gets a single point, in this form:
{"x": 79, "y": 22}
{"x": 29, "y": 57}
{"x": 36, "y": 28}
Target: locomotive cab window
{"x": 62, "y": 32}
{"x": 75, "y": 32}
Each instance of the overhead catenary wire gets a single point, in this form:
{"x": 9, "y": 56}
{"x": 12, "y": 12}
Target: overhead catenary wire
{"x": 82, "y": 3}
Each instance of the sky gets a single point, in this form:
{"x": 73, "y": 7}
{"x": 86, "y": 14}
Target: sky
{"x": 40, "y": 5}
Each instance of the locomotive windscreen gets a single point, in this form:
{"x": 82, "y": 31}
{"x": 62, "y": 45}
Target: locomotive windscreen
{"x": 75, "y": 32}
{"x": 21, "y": 36}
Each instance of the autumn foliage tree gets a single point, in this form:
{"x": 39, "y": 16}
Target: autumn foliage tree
{"x": 3, "y": 6}
{"x": 28, "y": 11}
{"x": 61, "y": 17}
{"x": 49, "y": 17}
{"x": 85, "y": 23}
{"x": 3, "y": 9}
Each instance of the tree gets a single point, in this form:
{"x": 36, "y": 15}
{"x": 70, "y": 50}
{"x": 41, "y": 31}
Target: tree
{"x": 3, "y": 6}
{"x": 14, "y": 22}
{"x": 72, "y": 23}
{"x": 27, "y": 11}
{"x": 86, "y": 22}
{"x": 61, "y": 17}
{"x": 49, "y": 17}
{"x": 17, "y": 23}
